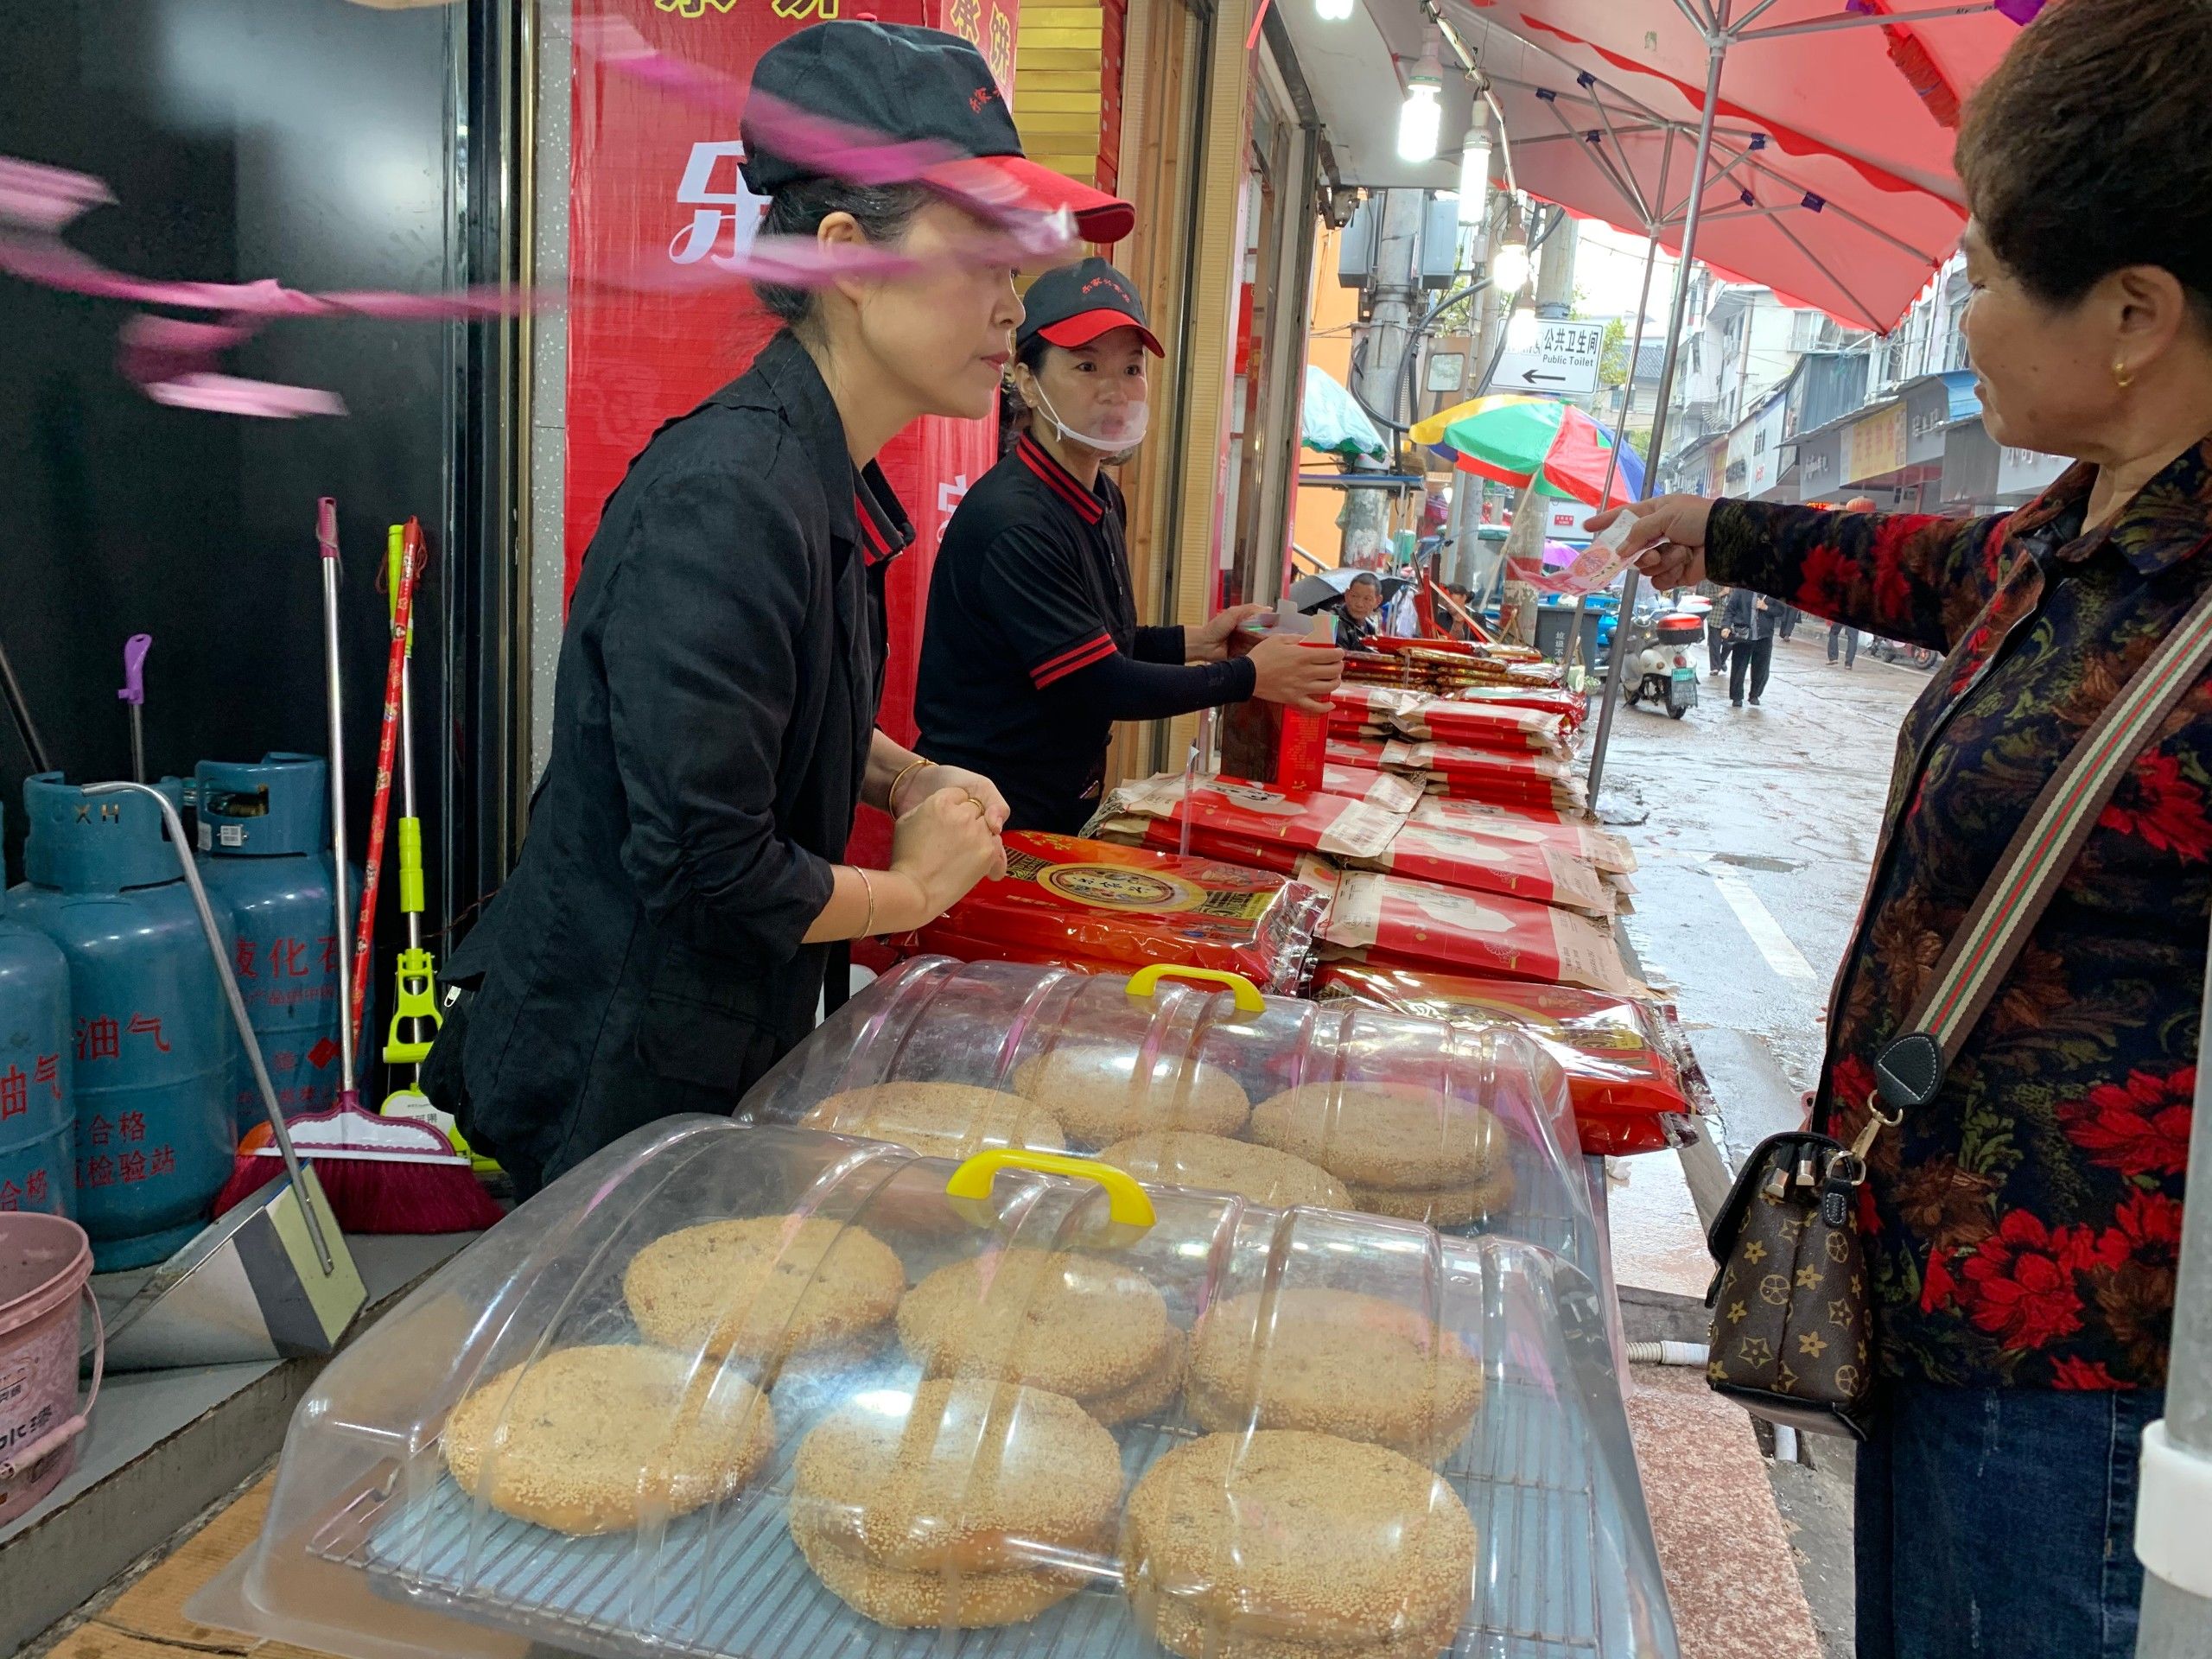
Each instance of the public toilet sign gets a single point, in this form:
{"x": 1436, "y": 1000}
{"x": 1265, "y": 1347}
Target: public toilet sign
{"x": 1564, "y": 361}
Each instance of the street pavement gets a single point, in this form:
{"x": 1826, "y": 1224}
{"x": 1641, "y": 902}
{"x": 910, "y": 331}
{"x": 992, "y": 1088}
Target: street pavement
{"x": 1755, "y": 828}
{"x": 1762, "y": 825}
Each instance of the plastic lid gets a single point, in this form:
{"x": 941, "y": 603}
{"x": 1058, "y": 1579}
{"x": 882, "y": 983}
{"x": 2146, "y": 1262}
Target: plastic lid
{"x": 277, "y": 806}
{"x": 1414, "y": 1118}
{"x": 775, "y": 1394}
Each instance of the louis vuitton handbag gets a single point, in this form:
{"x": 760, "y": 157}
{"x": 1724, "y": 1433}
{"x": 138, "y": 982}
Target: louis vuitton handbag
{"x": 1793, "y": 1318}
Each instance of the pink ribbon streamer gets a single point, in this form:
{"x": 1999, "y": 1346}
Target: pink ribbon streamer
{"x": 178, "y": 362}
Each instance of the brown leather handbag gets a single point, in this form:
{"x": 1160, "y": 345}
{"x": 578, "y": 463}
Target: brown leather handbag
{"x": 1793, "y": 1317}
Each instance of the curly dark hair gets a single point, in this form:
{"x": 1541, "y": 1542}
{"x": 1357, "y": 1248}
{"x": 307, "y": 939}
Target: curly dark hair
{"x": 2089, "y": 148}
{"x": 883, "y": 212}
{"x": 1014, "y": 413}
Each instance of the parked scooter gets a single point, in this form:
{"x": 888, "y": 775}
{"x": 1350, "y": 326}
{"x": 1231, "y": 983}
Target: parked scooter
{"x": 1888, "y": 650}
{"x": 1660, "y": 671}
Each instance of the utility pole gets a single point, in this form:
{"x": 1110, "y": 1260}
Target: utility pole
{"x": 1555, "y": 270}
{"x": 2177, "y": 1449}
{"x": 1386, "y": 337}
{"x": 1471, "y": 566}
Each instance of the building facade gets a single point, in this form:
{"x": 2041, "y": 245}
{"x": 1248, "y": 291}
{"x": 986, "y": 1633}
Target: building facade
{"x": 1779, "y": 403}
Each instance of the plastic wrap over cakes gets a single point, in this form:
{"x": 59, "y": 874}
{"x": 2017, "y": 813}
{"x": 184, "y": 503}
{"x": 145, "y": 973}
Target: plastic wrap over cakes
{"x": 773, "y": 1393}
{"x": 1278, "y": 1101}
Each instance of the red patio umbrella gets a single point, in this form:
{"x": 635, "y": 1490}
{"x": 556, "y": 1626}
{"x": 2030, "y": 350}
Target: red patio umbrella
{"x": 1812, "y": 228}
{"x": 1879, "y": 82}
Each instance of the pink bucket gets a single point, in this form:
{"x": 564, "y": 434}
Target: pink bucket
{"x": 46, "y": 1266}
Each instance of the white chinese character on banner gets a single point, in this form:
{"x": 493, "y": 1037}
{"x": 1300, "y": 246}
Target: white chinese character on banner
{"x": 733, "y": 207}
{"x": 949, "y": 495}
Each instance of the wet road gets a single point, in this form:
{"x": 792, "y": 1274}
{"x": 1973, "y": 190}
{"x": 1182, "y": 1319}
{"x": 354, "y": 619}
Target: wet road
{"x": 1762, "y": 826}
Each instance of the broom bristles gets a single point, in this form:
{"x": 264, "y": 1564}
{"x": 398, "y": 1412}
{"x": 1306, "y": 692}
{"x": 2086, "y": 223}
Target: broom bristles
{"x": 378, "y": 1196}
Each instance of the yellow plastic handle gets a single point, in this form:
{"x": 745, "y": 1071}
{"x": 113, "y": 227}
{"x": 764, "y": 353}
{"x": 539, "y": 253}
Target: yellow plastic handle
{"x": 1126, "y": 1202}
{"x": 1145, "y": 980}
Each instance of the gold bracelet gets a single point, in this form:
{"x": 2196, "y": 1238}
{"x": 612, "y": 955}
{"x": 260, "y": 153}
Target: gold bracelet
{"x": 867, "y": 924}
{"x": 891, "y": 795}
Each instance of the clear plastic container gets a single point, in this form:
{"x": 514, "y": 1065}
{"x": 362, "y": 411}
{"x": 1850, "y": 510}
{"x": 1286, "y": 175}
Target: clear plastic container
{"x": 862, "y": 1459}
{"x": 1468, "y": 1129}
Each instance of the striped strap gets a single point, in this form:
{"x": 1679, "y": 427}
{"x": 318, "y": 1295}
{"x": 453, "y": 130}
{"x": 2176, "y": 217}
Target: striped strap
{"x": 2041, "y": 853}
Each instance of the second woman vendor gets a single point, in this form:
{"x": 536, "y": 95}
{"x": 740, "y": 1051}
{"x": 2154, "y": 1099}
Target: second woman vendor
{"x": 1032, "y": 650}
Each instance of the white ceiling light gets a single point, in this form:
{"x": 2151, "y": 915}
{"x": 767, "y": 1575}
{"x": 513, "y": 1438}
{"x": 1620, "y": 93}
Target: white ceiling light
{"x": 1474, "y": 174}
{"x": 1420, "y": 122}
{"x": 1509, "y": 263}
{"x": 1332, "y": 11}
{"x": 1509, "y": 259}
{"x": 1520, "y": 329}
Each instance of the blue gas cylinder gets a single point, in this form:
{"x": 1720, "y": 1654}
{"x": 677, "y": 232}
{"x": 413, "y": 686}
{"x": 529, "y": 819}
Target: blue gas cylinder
{"x": 37, "y": 1124}
{"x": 264, "y": 845}
{"x": 153, "y": 1055}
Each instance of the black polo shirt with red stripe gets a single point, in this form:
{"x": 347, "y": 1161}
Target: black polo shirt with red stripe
{"x": 1031, "y": 584}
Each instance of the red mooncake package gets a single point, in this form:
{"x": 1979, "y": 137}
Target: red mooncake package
{"x": 1390, "y": 921}
{"x": 1229, "y": 811}
{"x": 1477, "y": 862}
{"x": 1106, "y": 908}
{"x": 1486, "y": 774}
{"x": 1617, "y": 1052}
{"x": 1607, "y": 852}
{"x": 1497, "y": 720}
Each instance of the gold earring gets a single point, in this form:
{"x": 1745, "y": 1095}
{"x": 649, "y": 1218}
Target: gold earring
{"x": 2121, "y": 376}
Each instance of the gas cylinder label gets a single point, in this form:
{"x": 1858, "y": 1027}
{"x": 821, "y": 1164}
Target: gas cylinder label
{"x": 230, "y": 834}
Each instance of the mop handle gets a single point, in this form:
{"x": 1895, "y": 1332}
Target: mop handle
{"x": 326, "y": 535}
{"x": 221, "y": 949}
{"x": 403, "y": 618}
{"x": 134, "y": 693}
{"x": 411, "y": 894}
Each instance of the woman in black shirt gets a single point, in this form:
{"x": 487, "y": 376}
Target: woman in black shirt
{"x": 663, "y": 938}
{"x": 1032, "y": 649}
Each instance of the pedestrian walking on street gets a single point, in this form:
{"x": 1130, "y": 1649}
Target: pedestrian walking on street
{"x": 2022, "y": 1225}
{"x": 1716, "y": 633}
{"x": 1786, "y": 623}
{"x": 1750, "y": 620}
{"x": 1842, "y": 631}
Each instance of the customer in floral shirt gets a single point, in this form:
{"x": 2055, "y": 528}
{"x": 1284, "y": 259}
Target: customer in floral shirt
{"x": 2023, "y": 1229}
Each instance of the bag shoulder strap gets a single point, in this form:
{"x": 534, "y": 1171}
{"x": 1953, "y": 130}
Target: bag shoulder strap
{"x": 1911, "y": 1070}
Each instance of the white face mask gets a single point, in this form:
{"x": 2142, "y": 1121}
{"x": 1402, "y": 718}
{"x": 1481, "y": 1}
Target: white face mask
{"x": 1123, "y": 427}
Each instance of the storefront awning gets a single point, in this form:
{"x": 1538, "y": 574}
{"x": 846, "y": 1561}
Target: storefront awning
{"x": 1332, "y": 422}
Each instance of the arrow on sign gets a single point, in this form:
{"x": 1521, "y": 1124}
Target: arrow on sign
{"x": 1529, "y": 377}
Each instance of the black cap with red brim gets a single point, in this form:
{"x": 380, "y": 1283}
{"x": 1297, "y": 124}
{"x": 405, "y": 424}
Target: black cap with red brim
{"x": 1076, "y": 304}
{"x": 922, "y": 87}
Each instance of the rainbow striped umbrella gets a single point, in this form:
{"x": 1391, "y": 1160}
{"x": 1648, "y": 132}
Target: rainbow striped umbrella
{"x": 1517, "y": 439}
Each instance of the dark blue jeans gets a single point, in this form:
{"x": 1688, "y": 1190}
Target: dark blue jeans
{"x": 2000, "y": 1522}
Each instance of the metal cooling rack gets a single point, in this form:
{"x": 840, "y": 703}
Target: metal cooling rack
{"x": 729, "y": 1583}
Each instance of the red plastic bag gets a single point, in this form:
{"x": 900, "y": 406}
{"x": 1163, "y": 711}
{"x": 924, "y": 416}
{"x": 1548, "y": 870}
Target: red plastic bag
{"x": 1617, "y": 1052}
{"x": 1106, "y": 908}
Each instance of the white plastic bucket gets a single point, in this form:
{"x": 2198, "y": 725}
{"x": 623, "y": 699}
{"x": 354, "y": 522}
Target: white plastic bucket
{"x": 45, "y": 1267}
